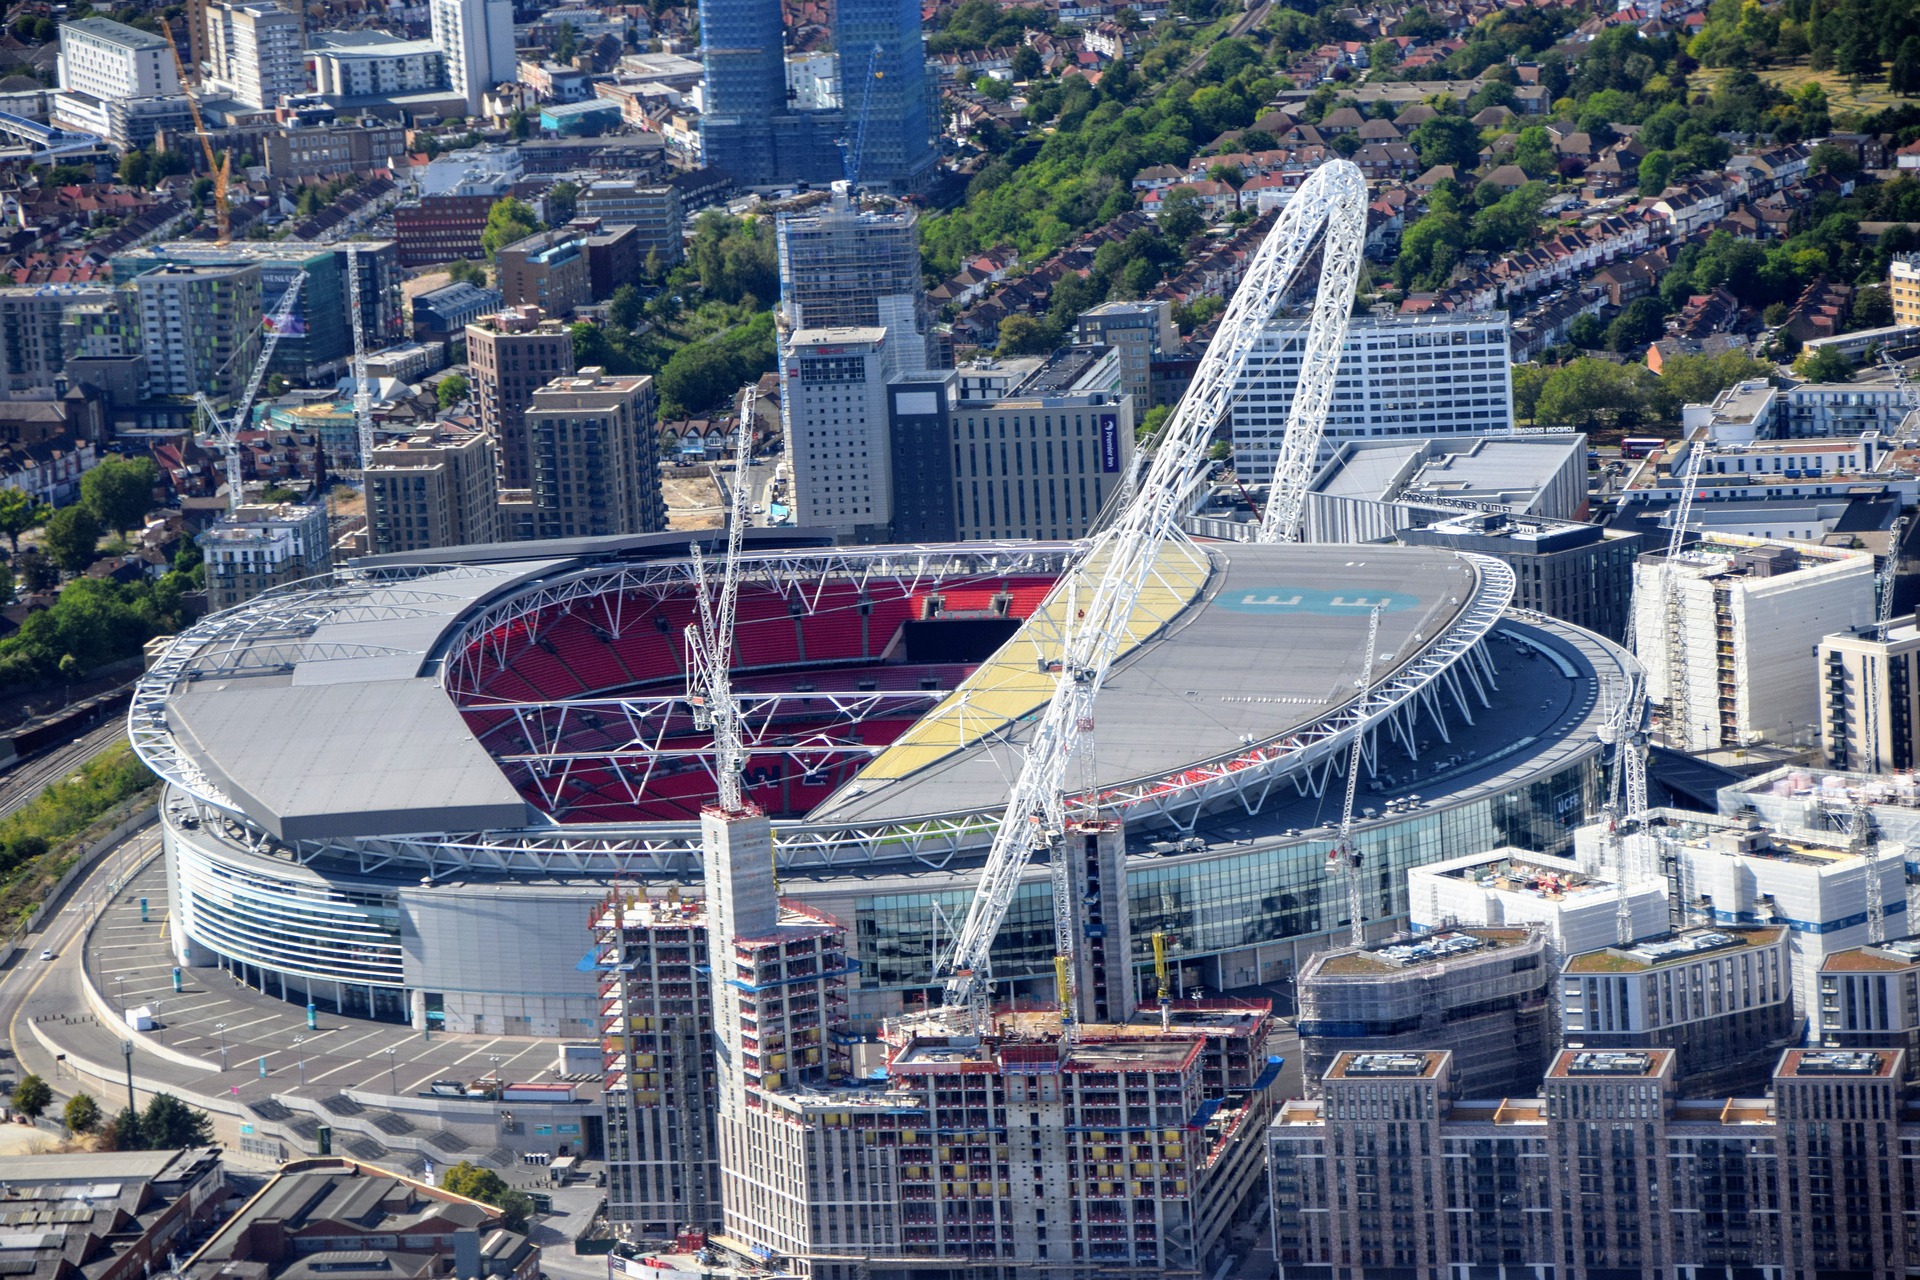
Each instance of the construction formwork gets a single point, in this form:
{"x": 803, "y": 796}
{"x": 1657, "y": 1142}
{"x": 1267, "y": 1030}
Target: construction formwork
{"x": 1484, "y": 994}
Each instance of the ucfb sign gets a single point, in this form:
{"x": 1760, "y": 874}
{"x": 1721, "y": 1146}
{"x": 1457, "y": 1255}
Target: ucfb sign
{"x": 1276, "y": 600}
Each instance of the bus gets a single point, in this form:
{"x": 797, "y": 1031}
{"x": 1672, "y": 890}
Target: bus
{"x": 1641, "y": 446}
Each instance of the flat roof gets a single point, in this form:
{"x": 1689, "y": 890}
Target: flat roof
{"x": 117, "y": 32}
{"x": 1675, "y": 948}
{"x": 1840, "y": 1064}
{"x": 1484, "y": 468}
{"x": 1365, "y": 1065}
{"x": 1589, "y": 1064}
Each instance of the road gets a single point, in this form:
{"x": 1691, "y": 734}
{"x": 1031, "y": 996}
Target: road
{"x": 1240, "y": 26}
{"x": 25, "y": 781}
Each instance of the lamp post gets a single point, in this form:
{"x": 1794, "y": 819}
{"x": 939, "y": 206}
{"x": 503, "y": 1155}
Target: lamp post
{"x": 493, "y": 1071}
{"x": 393, "y": 1080}
{"x": 301, "y": 1053}
{"x": 126, "y": 1051}
{"x": 221, "y": 1028}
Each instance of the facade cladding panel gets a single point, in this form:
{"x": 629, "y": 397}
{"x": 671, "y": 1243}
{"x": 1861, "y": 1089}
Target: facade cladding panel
{"x": 450, "y": 947}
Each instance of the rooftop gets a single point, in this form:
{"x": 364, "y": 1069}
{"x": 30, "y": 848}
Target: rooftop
{"x": 1611, "y": 1063}
{"x": 1480, "y": 468}
{"x": 1400, "y": 955}
{"x": 1840, "y": 1063}
{"x": 1675, "y": 948}
{"x": 1379, "y": 1066}
{"x": 115, "y": 32}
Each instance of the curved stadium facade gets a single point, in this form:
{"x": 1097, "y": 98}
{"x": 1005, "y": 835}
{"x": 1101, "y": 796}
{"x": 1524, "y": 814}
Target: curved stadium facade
{"x": 397, "y": 792}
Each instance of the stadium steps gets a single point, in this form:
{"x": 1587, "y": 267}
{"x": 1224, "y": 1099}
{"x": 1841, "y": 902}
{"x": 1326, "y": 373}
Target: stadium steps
{"x": 449, "y": 1141}
{"x": 340, "y": 1105}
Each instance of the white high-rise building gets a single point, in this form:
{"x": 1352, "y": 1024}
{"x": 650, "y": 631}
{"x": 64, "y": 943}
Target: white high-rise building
{"x": 257, "y": 51}
{"x": 833, "y": 406}
{"x": 477, "y": 38}
{"x": 107, "y": 59}
{"x": 1408, "y": 376}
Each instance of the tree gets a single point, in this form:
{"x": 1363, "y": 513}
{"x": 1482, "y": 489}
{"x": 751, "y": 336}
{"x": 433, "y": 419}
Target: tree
{"x": 1589, "y": 393}
{"x": 452, "y": 390}
{"x": 1180, "y": 218}
{"x": 470, "y": 1180}
{"x": 73, "y": 537}
{"x": 562, "y": 201}
{"x": 1904, "y": 77}
{"x": 1151, "y": 424}
{"x": 467, "y": 273}
{"x": 123, "y": 1134}
{"x": 19, "y": 512}
{"x": 119, "y": 491}
{"x": 624, "y": 307}
{"x": 82, "y": 1114}
{"x": 1022, "y": 335}
{"x": 31, "y": 1096}
{"x": 1641, "y": 323}
{"x": 1688, "y": 380}
{"x": 169, "y": 1122}
{"x": 1823, "y": 364}
{"x": 1447, "y": 140}
{"x": 1872, "y": 308}
{"x": 34, "y": 571}
{"x": 1586, "y": 331}
{"x": 1656, "y": 172}
{"x": 1026, "y": 62}
{"x": 508, "y": 221}
{"x": 1533, "y": 152}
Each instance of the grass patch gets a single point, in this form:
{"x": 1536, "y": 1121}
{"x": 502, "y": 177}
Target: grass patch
{"x": 43, "y": 838}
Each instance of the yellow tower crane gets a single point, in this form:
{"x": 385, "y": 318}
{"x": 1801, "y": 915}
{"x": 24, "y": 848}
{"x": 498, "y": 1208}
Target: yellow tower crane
{"x": 1160, "y": 971}
{"x": 221, "y": 169}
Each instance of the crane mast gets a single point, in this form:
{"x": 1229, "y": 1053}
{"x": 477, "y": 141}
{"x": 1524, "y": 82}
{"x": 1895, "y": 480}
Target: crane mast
{"x": 1679, "y": 696}
{"x": 710, "y": 641}
{"x": 362, "y": 394}
{"x": 853, "y": 147}
{"x": 1344, "y": 857}
{"x": 221, "y": 169}
{"x": 1884, "y": 614}
{"x": 226, "y": 430}
{"x": 1123, "y": 557}
{"x": 1860, "y": 841}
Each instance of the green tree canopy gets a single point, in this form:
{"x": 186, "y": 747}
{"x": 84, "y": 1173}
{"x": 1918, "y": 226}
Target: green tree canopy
{"x": 82, "y": 1114}
{"x": 463, "y": 272}
{"x": 73, "y": 537}
{"x": 1447, "y": 140}
{"x": 169, "y": 1122}
{"x": 1589, "y": 394}
{"x": 19, "y": 512}
{"x": 1022, "y": 335}
{"x": 31, "y": 1096}
{"x": 1688, "y": 380}
{"x": 470, "y": 1180}
{"x": 452, "y": 390}
{"x": 508, "y": 221}
{"x": 119, "y": 491}
{"x": 1823, "y": 364}
{"x": 1180, "y": 218}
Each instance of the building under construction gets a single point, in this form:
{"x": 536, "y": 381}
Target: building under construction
{"x": 1484, "y": 994}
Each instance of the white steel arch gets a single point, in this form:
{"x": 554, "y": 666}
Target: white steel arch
{"x": 1100, "y": 598}
{"x": 1335, "y": 199}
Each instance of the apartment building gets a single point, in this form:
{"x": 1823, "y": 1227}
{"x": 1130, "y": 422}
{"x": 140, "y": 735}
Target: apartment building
{"x": 653, "y": 209}
{"x": 1870, "y": 999}
{"x": 1903, "y": 282}
{"x": 117, "y": 82}
{"x": 1441, "y": 374}
{"x": 1721, "y": 997}
{"x": 1750, "y": 614}
{"x": 1138, "y": 331}
{"x": 1869, "y": 679}
{"x": 476, "y": 38}
{"x": 594, "y": 444}
{"x": 259, "y": 546}
{"x": 548, "y": 270}
{"x": 438, "y": 488}
{"x": 199, "y": 327}
{"x": 33, "y": 344}
{"x": 512, "y": 355}
{"x": 845, "y": 266}
{"x": 373, "y": 64}
{"x": 257, "y": 51}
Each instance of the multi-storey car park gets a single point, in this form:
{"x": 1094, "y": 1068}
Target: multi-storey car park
{"x": 399, "y": 791}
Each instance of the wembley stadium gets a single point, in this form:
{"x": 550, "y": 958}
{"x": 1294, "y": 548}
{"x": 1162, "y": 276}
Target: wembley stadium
{"x": 396, "y": 791}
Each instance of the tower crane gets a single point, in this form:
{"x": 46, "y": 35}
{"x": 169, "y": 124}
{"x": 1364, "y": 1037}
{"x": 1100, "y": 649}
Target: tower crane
{"x": 225, "y": 430}
{"x": 1679, "y": 700}
{"x": 1861, "y": 843}
{"x": 1884, "y": 614}
{"x": 1101, "y": 593}
{"x": 1344, "y": 856}
{"x": 853, "y": 147}
{"x": 362, "y": 395}
{"x": 710, "y": 642}
{"x": 221, "y": 169}
{"x": 1160, "y": 972}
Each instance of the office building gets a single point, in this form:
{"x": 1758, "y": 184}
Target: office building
{"x": 883, "y": 85}
{"x": 256, "y": 52}
{"x": 654, "y": 210}
{"x": 438, "y": 488}
{"x": 663, "y": 1170}
{"x": 1750, "y": 614}
{"x": 1607, "y": 1173}
{"x": 1869, "y": 679}
{"x": 199, "y": 327}
{"x": 511, "y": 355}
{"x": 1039, "y": 461}
{"x": 443, "y": 314}
{"x": 1870, "y": 999}
{"x": 843, "y": 266}
{"x": 547, "y": 270}
{"x": 1138, "y": 331}
{"x": 1721, "y": 997}
{"x": 258, "y": 546}
{"x": 1371, "y": 489}
{"x": 1412, "y": 376}
{"x": 1580, "y": 573}
{"x": 1903, "y": 282}
{"x": 312, "y": 150}
{"x": 594, "y": 441}
{"x": 117, "y": 82}
{"x": 374, "y": 64}
{"x": 1483, "y": 994}
{"x": 833, "y": 414}
{"x": 476, "y": 38}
